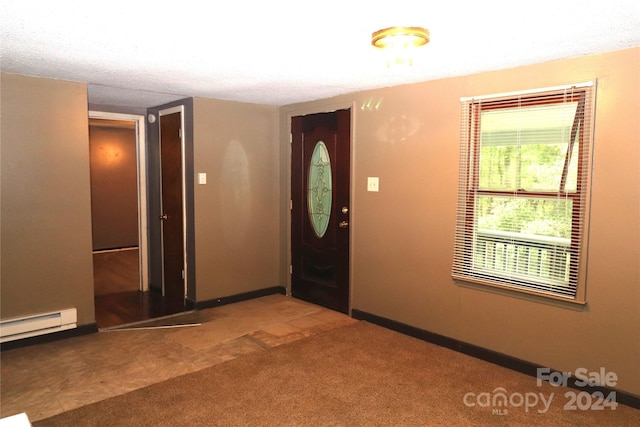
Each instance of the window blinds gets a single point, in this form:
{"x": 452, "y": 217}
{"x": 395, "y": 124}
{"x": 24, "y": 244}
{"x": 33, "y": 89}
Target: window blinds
{"x": 523, "y": 189}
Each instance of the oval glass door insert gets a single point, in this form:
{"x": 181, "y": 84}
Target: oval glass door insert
{"x": 319, "y": 191}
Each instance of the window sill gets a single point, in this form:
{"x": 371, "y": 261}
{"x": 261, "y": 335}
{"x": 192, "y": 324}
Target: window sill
{"x": 557, "y": 301}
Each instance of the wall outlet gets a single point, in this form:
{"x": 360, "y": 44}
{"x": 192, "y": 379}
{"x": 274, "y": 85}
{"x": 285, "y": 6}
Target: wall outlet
{"x": 373, "y": 183}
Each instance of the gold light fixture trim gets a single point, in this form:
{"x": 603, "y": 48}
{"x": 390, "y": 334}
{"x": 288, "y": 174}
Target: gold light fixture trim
{"x": 409, "y": 37}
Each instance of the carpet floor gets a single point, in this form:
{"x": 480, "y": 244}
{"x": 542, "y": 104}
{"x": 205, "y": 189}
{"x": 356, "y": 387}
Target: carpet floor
{"x": 356, "y": 375}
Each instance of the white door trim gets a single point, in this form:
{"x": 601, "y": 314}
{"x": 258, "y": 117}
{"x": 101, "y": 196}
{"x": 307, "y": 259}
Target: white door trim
{"x": 141, "y": 152}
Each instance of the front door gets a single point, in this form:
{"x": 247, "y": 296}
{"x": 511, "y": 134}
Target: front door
{"x": 172, "y": 216}
{"x": 320, "y": 211}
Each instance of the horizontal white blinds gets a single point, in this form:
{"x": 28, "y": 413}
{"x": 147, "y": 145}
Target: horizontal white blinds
{"x": 524, "y": 176}
{"x": 523, "y": 93}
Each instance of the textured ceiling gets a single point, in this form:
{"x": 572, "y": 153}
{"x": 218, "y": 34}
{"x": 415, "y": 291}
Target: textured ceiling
{"x": 142, "y": 53}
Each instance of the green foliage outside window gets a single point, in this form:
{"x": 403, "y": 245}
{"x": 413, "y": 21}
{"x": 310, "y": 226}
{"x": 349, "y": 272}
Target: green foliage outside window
{"x": 531, "y": 159}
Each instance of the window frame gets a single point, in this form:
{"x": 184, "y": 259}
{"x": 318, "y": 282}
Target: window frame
{"x": 464, "y": 271}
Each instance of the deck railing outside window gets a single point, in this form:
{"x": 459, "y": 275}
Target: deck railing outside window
{"x": 529, "y": 256}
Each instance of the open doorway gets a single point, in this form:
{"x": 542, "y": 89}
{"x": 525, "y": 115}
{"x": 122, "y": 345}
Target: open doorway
{"x": 119, "y": 221}
{"x": 116, "y": 146}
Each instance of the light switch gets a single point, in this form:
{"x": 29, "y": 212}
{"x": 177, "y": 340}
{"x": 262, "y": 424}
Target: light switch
{"x": 372, "y": 183}
{"x": 202, "y": 178}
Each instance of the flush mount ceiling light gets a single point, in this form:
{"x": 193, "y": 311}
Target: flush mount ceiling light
{"x": 400, "y": 41}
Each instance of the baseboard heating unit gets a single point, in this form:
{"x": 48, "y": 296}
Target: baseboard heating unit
{"x": 38, "y": 324}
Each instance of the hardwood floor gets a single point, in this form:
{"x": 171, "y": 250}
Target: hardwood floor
{"x": 118, "y": 300}
{"x": 134, "y": 306}
{"x": 116, "y": 271}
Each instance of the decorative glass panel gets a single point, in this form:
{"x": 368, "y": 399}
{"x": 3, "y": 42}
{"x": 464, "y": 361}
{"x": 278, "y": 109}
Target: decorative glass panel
{"x": 319, "y": 191}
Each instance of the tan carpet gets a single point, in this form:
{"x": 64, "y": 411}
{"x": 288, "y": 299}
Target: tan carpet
{"x": 357, "y": 375}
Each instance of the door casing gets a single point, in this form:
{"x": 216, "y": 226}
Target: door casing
{"x": 141, "y": 152}
{"x": 153, "y": 173}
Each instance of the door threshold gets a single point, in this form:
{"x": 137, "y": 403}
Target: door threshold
{"x": 142, "y": 322}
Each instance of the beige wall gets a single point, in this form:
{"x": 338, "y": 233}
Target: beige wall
{"x": 46, "y": 205}
{"x": 237, "y": 212}
{"x": 114, "y": 185}
{"x": 46, "y": 202}
{"x": 403, "y": 236}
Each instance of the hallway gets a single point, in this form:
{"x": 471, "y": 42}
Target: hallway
{"x": 117, "y": 298}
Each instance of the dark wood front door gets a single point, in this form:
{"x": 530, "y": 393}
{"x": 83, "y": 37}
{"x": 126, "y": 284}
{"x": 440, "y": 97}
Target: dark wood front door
{"x": 172, "y": 206}
{"x": 320, "y": 211}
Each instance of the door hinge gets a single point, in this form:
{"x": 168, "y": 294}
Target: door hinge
{"x": 290, "y": 269}
{"x": 290, "y": 138}
{"x": 179, "y": 132}
{"x": 183, "y": 274}
{"x": 290, "y": 205}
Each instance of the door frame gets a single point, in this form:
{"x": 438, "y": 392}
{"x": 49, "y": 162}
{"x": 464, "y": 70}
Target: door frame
{"x": 141, "y": 160}
{"x": 325, "y": 108}
{"x": 163, "y": 112}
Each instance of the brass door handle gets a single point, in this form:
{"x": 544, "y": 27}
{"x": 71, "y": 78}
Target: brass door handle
{"x": 163, "y": 217}
{"x": 343, "y": 224}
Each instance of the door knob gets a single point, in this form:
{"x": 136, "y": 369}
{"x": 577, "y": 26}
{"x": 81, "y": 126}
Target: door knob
{"x": 163, "y": 216}
{"x": 343, "y": 224}
{"x": 345, "y": 210}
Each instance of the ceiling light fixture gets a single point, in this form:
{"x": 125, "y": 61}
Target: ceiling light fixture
{"x": 400, "y": 41}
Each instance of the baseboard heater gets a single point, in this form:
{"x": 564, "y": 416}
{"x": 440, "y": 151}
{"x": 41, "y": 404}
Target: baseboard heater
{"x": 38, "y": 324}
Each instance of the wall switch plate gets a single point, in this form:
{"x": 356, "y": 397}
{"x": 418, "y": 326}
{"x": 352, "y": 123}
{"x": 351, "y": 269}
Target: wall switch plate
{"x": 202, "y": 178}
{"x": 373, "y": 183}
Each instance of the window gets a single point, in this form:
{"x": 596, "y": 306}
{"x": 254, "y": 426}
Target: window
{"x": 524, "y": 178}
